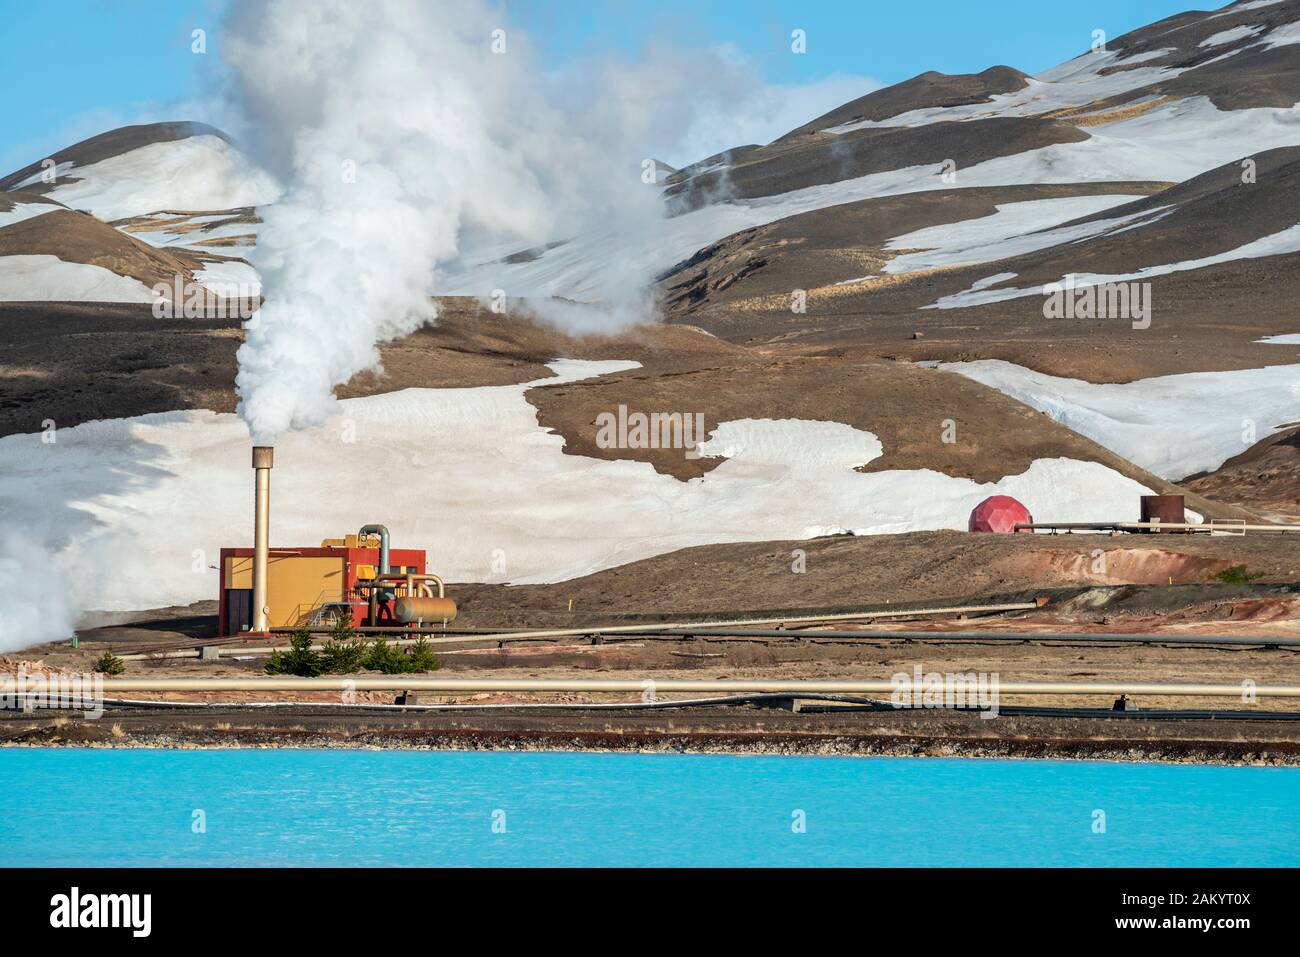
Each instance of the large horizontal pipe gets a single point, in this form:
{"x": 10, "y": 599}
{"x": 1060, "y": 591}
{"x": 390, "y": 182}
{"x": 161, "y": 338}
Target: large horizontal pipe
{"x": 1227, "y": 528}
{"x": 775, "y": 620}
{"x": 8, "y": 685}
{"x": 1025, "y": 636}
{"x": 1145, "y": 638}
{"x": 687, "y": 626}
{"x": 854, "y": 702}
{"x": 409, "y": 578}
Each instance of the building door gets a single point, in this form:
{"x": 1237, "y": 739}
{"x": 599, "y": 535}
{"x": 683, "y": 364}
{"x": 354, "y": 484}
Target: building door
{"x": 239, "y": 609}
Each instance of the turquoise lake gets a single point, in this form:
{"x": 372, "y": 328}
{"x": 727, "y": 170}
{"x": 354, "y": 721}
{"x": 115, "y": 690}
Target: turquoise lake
{"x": 115, "y": 808}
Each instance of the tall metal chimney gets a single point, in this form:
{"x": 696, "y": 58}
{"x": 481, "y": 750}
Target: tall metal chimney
{"x": 263, "y": 456}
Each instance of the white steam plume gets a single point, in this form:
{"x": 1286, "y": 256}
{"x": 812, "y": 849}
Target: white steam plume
{"x": 397, "y": 130}
{"x": 35, "y": 596}
{"x": 455, "y": 149}
{"x": 416, "y": 139}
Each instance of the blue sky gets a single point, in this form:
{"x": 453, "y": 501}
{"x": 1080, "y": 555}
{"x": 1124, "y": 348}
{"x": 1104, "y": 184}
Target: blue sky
{"x": 886, "y": 39}
{"x": 71, "y": 70}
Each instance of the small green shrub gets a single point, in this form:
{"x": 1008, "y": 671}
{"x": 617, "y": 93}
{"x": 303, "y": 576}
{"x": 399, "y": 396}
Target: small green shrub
{"x": 342, "y": 657}
{"x": 422, "y": 657}
{"x": 345, "y": 654}
{"x": 386, "y": 659}
{"x": 342, "y": 654}
{"x": 299, "y": 660}
{"x": 1237, "y": 575}
{"x": 343, "y": 629}
{"x": 110, "y": 664}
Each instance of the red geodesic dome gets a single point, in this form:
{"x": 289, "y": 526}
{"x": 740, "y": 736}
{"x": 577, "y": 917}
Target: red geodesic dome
{"x": 998, "y": 513}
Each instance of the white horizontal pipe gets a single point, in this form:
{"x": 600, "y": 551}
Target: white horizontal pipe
{"x": 635, "y": 685}
{"x": 1211, "y": 526}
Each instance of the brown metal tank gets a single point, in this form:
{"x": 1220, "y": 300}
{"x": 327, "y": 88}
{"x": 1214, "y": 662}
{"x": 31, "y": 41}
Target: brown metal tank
{"x": 1166, "y": 509}
{"x": 408, "y": 610}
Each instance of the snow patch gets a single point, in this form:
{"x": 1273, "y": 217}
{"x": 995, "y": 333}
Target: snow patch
{"x": 195, "y": 238}
{"x": 228, "y": 278}
{"x": 994, "y": 279}
{"x": 1015, "y": 229}
{"x": 1242, "y": 7}
{"x": 471, "y": 476}
{"x": 50, "y": 279}
{"x": 199, "y": 172}
{"x": 1170, "y": 143}
{"x": 59, "y": 170}
{"x": 1174, "y": 426}
{"x": 22, "y": 211}
{"x": 1231, "y": 35}
{"x": 1282, "y": 36}
{"x": 1276, "y": 244}
{"x": 1074, "y": 83}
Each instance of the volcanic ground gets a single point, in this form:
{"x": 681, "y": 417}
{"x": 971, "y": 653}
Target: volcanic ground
{"x": 878, "y": 271}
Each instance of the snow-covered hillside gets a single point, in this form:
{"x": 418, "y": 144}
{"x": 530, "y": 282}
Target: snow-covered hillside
{"x": 1148, "y": 105}
{"x": 128, "y": 487}
{"x": 195, "y": 173}
{"x": 1173, "y": 426}
{"x": 179, "y": 187}
{"x": 1170, "y": 143}
{"x": 914, "y": 224}
{"x": 49, "y": 279}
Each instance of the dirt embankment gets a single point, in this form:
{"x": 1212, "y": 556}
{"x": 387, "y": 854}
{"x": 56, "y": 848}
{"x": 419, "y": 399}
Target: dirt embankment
{"x": 693, "y": 730}
{"x": 756, "y": 580}
{"x": 886, "y": 572}
{"x": 1135, "y": 582}
{"x": 912, "y": 570}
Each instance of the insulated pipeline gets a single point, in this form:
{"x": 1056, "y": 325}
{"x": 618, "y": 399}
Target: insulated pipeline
{"x": 433, "y": 637}
{"x": 9, "y": 685}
